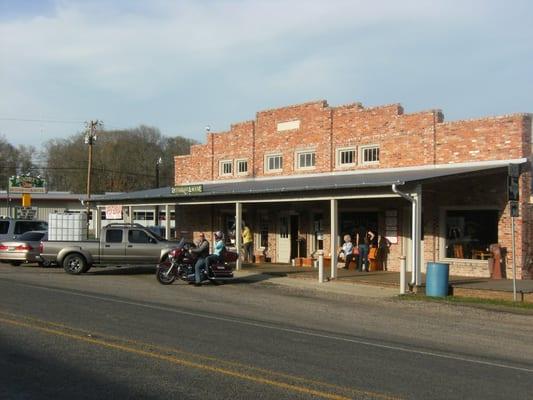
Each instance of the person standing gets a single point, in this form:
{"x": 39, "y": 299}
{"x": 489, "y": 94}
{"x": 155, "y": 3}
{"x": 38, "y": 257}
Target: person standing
{"x": 364, "y": 237}
{"x": 248, "y": 243}
{"x": 384, "y": 245}
{"x": 201, "y": 251}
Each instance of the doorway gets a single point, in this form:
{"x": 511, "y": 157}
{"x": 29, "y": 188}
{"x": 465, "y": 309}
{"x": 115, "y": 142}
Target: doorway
{"x": 284, "y": 239}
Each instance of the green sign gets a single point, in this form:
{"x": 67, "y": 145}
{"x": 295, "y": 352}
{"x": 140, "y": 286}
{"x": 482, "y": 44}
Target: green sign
{"x": 187, "y": 189}
{"x": 27, "y": 184}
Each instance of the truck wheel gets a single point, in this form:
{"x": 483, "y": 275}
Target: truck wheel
{"x": 74, "y": 264}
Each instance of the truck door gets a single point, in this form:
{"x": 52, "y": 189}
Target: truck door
{"x": 142, "y": 248}
{"x": 113, "y": 250}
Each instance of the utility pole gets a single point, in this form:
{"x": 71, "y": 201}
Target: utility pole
{"x": 157, "y": 164}
{"x": 90, "y": 139}
{"x": 156, "y": 208}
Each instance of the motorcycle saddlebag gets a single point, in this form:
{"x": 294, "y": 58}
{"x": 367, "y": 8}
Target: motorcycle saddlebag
{"x": 221, "y": 271}
{"x": 230, "y": 256}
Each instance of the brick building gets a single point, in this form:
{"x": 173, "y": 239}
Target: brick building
{"x": 302, "y": 176}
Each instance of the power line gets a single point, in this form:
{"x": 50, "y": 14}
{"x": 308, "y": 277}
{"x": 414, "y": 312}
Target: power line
{"x": 53, "y": 121}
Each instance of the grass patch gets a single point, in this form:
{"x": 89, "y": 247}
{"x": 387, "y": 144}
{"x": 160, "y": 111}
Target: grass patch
{"x": 472, "y": 301}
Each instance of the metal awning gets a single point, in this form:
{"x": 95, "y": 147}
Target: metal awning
{"x": 307, "y": 183}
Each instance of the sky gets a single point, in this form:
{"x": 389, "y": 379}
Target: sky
{"x": 183, "y": 65}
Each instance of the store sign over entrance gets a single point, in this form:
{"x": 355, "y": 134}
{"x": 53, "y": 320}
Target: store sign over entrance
{"x": 187, "y": 189}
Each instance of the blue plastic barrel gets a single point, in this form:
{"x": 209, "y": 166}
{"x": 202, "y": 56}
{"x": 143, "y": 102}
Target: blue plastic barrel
{"x": 437, "y": 276}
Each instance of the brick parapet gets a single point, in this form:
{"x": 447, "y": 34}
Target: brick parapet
{"x": 404, "y": 140}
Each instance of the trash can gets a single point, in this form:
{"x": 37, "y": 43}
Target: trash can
{"x": 437, "y": 276}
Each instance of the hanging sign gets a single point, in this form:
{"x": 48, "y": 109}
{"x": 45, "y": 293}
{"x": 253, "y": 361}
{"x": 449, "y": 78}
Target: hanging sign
{"x": 113, "y": 212}
{"x": 187, "y": 189}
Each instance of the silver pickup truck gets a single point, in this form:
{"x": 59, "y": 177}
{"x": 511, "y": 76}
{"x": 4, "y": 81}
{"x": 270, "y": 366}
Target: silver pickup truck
{"x": 119, "y": 244}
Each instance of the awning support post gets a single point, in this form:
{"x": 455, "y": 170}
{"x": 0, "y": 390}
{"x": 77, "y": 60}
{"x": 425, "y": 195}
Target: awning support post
{"x": 238, "y": 234}
{"x": 418, "y": 235}
{"x": 167, "y": 220}
{"x": 334, "y": 234}
{"x": 97, "y": 226}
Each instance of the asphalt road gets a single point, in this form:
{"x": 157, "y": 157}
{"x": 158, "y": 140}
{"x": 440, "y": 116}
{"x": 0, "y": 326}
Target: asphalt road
{"x": 119, "y": 334}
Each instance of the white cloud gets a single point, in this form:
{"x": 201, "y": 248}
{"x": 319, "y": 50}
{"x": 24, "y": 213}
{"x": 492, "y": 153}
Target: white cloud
{"x": 126, "y": 58}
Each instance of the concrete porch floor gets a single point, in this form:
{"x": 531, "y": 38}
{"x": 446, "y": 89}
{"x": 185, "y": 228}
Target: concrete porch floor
{"x": 460, "y": 285}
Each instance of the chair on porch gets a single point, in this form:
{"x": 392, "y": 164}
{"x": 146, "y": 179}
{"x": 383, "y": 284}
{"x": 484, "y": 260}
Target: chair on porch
{"x": 458, "y": 251}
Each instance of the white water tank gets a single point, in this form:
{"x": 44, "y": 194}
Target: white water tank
{"x": 67, "y": 226}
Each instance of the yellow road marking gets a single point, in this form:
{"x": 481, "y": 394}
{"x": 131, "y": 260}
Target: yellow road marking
{"x": 86, "y": 337}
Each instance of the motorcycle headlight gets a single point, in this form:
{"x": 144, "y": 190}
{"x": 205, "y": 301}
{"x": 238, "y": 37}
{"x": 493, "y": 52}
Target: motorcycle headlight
{"x": 173, "y": 253}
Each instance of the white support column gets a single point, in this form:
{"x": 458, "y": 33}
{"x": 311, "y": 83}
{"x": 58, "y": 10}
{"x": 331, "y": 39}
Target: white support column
{"x": 97, "y": 222}
{"x": 130, "y": 215}
{"x": 418, "y": 235}
{"x": 238, "y": 233}
{"x": 167, "y": 221}
{"x": 334, "y": 234}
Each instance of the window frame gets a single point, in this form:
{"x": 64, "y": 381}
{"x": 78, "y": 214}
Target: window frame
{"x": 238, "y": 162}
{"x": 270, "y": 156}
{"x": 297, "y": 159}
{"x": 338, "y": 158}
{"x": 151, "y": 240}
{"x": 114, "y": 230}
{"x": 221, "y": 165}
{"x": 364, "y": 148}
{"x": 442, "y": 231}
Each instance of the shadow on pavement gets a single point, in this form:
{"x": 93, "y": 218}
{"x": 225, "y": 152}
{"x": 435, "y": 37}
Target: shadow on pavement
{"x": 27, "y": 375}
{"x": 137, "y": 270}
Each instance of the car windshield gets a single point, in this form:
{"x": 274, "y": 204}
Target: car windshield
{"x": 31, "y": 236}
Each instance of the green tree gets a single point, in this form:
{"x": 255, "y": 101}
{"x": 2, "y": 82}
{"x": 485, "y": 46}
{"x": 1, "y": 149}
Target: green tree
{"x": 123, "y": 160}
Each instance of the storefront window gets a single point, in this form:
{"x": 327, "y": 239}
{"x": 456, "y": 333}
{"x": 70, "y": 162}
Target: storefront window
{"x": 469, "y": 233}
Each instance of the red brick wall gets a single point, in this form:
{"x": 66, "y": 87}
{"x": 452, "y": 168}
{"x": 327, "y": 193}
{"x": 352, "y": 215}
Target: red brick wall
{"x": 404, "y": 140}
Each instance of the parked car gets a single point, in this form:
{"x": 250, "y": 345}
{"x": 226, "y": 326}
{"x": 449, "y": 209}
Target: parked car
{"x": 119, "y": 244}
{"x": 11, "y": 228}
{"x": 24, "y": 249}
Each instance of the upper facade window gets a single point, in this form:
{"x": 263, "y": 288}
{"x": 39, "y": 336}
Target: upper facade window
{"x": 241, "y": 167}
{"x": 346, "y": 157}
{"x": 369, "y": 155}
{"x": 274, "y": 163}
{"x": 226, "y": 168}
{"x": 305, "y": 159}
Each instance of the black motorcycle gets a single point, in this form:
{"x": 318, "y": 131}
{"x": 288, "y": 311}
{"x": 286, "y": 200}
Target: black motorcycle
{"x": 180, "y": 264}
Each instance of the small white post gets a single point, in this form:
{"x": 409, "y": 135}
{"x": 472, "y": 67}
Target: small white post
{"x": 238, "y": 232}
{"x": 321, "y": 268}
{"x": 403, "y": 268}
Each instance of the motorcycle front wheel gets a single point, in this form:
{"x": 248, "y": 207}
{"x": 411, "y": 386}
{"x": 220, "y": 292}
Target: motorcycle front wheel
{"x": 165, "y": 275}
